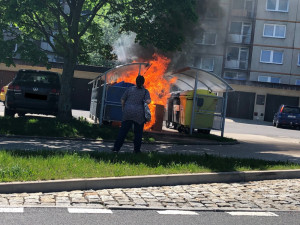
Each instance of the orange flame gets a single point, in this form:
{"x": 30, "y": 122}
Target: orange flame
{"x": 155, "y": 82}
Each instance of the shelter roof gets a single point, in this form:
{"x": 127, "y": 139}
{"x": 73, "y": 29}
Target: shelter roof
{"x": 206, "y": 80}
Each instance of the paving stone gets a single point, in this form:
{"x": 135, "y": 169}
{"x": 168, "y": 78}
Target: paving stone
{"x": 265, "y": 195}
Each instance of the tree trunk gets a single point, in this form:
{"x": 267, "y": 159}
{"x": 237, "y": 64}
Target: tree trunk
{"x": 65, "y": 103}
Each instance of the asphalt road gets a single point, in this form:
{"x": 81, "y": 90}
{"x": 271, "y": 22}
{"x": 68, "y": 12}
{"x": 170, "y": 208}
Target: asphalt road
{"x": 259, "y": 128}
{"x": 64, "y": 216}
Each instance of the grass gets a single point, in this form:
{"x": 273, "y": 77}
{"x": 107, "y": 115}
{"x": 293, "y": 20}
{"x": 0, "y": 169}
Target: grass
{"x": 50, "y": 165}
{"x": 76, "y": 128}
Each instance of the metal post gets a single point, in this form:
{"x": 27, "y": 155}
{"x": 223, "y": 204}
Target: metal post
{"x": 140, "y": 67}
{"x": 224, "y": 112}
{"x": 102, "y": 101}
{"x": 194, "y": 104}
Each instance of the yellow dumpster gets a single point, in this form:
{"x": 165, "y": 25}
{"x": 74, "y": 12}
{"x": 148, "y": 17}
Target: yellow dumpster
{"x": 205, "y": 108}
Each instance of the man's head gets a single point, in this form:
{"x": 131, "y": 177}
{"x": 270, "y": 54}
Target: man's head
{"x": 140, "y": 80}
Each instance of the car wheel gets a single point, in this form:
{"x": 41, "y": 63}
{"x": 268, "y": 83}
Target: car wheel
{"x": 207, "y": 132}
{"x": 167, "y": 124}
{"x": 181, "y": 129}
{"x": 278, "y": 125}
{"x": 186, "y": 130}
{"x": 8, "y": 112}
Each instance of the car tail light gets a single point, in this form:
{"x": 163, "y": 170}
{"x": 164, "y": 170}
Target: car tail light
{"x": 54, "y": 91}
{"x": 15, "y": 88}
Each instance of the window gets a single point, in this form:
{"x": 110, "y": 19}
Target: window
{"x": 297, "y": 82}
{"x": 232, "y": 75}
{"x": 243, "y": 8}
{"x": 240, "y": 32}
{"x": 205, "y": 63}
{"x": 240, "y": 28}
{"x": 270, "y": 56}
{"x": 269, "y": 79}
{"x": 237, "y": 53}
{"x": 207, "y": 38}
{"x": 298, "y": 59}
{"x": 237, "y": 58}
{"x": 274, "y": 30}
{"x": 278, "y": 5}
{"x": 260, "y": 99}
{"x": 242, "y": 4}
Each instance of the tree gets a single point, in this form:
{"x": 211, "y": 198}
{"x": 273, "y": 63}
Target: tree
{"x": 74, "y": 28}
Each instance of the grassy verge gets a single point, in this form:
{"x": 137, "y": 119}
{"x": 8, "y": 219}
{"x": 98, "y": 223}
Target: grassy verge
{"x": 49, "y": 165}
{"x": 76, "y": 128}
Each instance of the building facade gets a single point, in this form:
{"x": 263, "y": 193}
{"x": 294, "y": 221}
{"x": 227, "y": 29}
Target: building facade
{"x": 258, "y": 53}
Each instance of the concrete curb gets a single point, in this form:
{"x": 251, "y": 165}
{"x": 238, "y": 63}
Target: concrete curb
{"x": 145, "y": 181}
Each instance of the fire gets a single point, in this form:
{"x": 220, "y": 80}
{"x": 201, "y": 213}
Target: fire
{"x": 155, "y": 82}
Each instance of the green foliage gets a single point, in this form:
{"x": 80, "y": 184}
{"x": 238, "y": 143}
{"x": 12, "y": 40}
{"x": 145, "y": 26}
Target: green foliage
{"x": 52, "y": 127}
{"x": 48, "y": 165}
{"x": 86, "y": 25}
{"x": 78, "y": 29}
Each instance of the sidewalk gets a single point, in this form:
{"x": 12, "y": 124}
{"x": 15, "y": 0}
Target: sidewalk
{"x": 272, "y": 195}
{"x": 240, "y": 194}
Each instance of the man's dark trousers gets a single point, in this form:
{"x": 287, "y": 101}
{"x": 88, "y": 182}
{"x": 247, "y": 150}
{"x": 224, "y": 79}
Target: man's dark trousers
{"x": 138, "y": 134}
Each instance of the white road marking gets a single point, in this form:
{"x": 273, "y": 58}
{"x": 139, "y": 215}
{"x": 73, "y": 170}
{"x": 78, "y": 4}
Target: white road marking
{"x": 11, "y": 210}
{"x": 176, "y": 212}
{"x": 252, "y": 214}
{"x": 87, "y": 210}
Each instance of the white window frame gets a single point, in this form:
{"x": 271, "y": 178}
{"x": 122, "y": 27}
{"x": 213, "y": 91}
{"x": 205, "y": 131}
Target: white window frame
{"x": 277, "y": 7}
{"x": 269, "y": 79}
{"x": 274, "y": 30}
{"x": 203, "y": 38}
{"x": 271, "y": 57}
{"x": 213, "y": 63}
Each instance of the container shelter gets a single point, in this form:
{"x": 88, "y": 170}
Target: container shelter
{"x": 106, "y": 95}
{"x": 190, "y": 78}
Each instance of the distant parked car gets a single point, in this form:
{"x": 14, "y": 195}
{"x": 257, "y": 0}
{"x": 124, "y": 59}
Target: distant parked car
{"x": 33, "y": 91}
{"x": 3, "y": 93}
{"x": 287, "y": 116}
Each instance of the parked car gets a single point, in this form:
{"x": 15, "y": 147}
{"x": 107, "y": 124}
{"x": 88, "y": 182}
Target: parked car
{"x": 33, "y": 91}
{"x": 287, "y": 116}
{"x": 3, "y": 93}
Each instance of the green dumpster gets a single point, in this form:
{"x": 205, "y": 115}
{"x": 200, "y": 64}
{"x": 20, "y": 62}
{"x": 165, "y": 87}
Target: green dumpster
{"x": 205, "y": 108}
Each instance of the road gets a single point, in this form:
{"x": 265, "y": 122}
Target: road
{"x": 64, "y": 216}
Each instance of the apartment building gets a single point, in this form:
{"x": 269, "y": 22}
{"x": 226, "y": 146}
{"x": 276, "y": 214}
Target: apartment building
{"x": 207, "y": 51}
{"x": 259, "y": 41}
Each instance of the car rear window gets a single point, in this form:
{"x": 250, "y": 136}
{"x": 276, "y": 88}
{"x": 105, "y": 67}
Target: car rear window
{"x": 38, "y": 78}
{"x": 291, "y": 110}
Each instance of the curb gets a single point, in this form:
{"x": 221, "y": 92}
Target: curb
{"x": 145, "y": 181}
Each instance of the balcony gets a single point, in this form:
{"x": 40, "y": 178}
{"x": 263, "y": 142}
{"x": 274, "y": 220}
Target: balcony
{"x": 239, "y": 39}
{"x": 236, "y": 64}
{"x": 242, "y": 13}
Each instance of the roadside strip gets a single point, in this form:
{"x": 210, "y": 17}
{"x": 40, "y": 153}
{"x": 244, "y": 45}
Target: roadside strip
{"x": 145, "y": 181}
